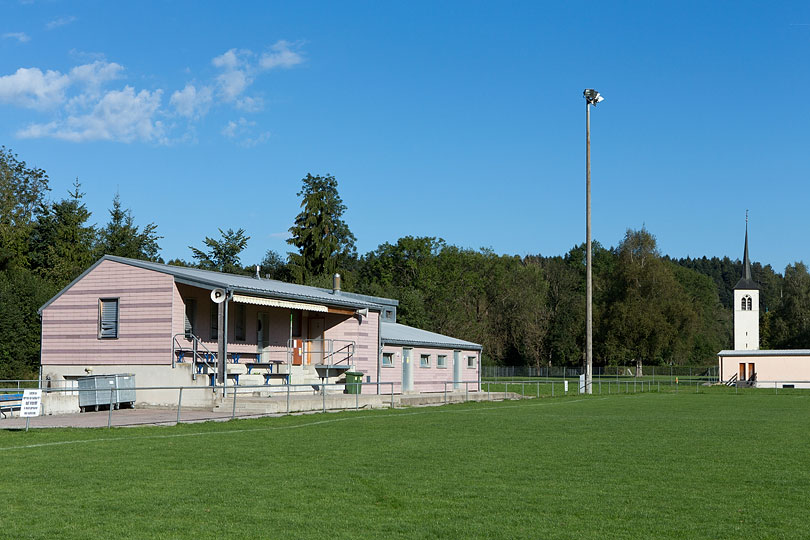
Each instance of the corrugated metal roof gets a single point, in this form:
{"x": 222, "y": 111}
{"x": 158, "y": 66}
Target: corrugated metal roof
{"x": 400, "y": 334}
{"x": 241, "y": 284}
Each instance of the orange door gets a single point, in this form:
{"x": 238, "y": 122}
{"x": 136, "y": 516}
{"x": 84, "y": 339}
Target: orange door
{"x": 742, "y": 371}
{"x": 751, "y": 370}
{"x": 297, "y": 352}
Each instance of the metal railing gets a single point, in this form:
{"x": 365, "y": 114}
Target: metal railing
{"x": 204, "y": 356}
{"x": 327, "y": 351}
{"x": 654, "y": 372}
{"x": 289, "y": 398}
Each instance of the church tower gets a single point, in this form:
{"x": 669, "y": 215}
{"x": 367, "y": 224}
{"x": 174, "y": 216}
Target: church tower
{"x": 746, "y": 306}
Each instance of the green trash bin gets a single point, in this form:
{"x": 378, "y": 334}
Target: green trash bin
{"x": 353, "y": 377}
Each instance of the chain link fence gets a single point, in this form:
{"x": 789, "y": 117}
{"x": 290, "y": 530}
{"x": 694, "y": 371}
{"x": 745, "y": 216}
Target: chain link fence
{"x": 708, "y": 373}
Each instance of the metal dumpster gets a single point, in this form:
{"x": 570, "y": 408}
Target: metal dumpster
{"x": 106, "y": 390}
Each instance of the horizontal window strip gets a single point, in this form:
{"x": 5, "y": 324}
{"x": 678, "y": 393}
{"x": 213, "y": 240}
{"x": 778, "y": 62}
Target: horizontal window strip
{"x": 125, "y": 305}
{"x": 116, "y": 292}
{"x": 84, "y": 352}
{"x": 121, "y": 335}
{"x": 123, "y": 320}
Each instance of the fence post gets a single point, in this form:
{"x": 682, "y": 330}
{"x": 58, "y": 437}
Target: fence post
{"x": 445, "y": 392}
{"x": 323, "y": 393}
{"x": 179, "y": 404}
{"x": 466, "y": 391}
{"x": 357, "y": 390}
{"x": 233, "y": 411}
{"x": 538, "y": 388}
{"x": 109, "y": 416}
{"x": 522, "y": 389}
{"x": 552, "y": 388}
{"x": 392, "y": 395}
{"x": 288, "y": 394}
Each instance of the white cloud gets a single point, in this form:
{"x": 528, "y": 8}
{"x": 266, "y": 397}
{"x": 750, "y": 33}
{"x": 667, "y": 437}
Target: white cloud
{"x": 280, "y": 56}
{"x": 83, "y": 107}
{"x": 120, "y": 115}
{"x": 249, "y": 104}
{"x": 238, "y": 127}
{"x": 30, "y": 87}
{"x": 242, "y": 129}
{"x": 97, "y": 73}
{"x": 191, "y": 102}
{"x": 60, "y": 21}
{"x": 22, "y": 37}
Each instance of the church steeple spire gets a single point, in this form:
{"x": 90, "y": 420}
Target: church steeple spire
{"x": 746, "y": 282}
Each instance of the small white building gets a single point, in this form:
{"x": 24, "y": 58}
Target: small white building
{"x": 749, "y": 365}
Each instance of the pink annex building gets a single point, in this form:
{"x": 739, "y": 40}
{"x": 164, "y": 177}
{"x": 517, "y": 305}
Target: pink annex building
{"x": 746, "y": 364}
{"x": 162, "y": 324}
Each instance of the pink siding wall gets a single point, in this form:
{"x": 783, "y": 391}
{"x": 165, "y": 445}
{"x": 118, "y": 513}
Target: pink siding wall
{"x": 70, "y": 323}
{"x": 364, "y": 332}
{"x": 430, "y": 379}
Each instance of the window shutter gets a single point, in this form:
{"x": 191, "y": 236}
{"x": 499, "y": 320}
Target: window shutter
{"x": 109, "y": 319}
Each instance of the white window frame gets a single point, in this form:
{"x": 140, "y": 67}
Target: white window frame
{"x": 471, "y": 362}
{"x": 439, "y": 363}
{"x": 424, "y": 360}
{"x": 389, "y": 355}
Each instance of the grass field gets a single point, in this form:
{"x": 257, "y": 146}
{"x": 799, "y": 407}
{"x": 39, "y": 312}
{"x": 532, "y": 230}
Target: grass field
{"x": 652, "y": 465}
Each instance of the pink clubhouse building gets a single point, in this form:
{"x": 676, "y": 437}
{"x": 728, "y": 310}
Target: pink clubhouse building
{"x": 168, "y": 325}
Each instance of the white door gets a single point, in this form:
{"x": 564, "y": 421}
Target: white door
{"x": 262, "y": 337}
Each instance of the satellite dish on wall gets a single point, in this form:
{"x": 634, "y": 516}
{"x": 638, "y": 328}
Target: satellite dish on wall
{"x": 218, "y": 296}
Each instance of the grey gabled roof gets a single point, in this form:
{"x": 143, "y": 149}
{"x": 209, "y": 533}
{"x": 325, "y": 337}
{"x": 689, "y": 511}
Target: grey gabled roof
{"x": 400, "y": 334}
{"x": 268, "y": 288}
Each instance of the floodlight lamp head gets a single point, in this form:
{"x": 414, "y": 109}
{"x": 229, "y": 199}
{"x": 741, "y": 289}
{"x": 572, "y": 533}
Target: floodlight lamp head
{"x": 592, "y": 96}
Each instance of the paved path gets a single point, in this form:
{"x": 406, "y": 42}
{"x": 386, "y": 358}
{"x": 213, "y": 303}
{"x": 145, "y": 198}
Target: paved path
{"x": 122, "y": 417}
{"x": 168, "y": 417}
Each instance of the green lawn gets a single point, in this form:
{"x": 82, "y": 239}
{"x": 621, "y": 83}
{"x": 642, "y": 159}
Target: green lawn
{"x": 709, "y": 465}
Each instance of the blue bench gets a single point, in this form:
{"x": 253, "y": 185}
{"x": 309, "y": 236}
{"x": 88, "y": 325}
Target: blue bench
{"x": 10, "y": 403}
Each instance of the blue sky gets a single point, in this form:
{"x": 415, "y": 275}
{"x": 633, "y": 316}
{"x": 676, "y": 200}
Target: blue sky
{"x": 459, "y": 120}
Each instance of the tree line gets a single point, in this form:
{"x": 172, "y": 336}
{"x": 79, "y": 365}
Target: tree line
{"x": 648, "y": 307}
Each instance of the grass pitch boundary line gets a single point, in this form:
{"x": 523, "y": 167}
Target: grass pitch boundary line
{"x": 279, "y": 428}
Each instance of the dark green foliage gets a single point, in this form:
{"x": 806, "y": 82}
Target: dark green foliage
{"x": 21, "y": 294}
{"x": 323, "y": 239}
{"x": 62, "y": 243}
{"x": 123, "y": 238}
{"x": 222, "y": 255}
{"x": 22, "y": 199}
{"x": 273, "y": 267}
{"x": 789, "y": 327}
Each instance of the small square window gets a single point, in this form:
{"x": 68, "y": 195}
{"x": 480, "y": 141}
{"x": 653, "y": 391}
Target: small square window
{"x": 388, "y": 359}
{"x": 471, "y": 361}
{"x": 424, "y": 360}
{"x": 441, "y": 361}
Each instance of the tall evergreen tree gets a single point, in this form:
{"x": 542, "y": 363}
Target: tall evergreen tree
{"x": 62, "y": 243}
{"x": 123, "y": 238}
{"x": 323, "y": 239}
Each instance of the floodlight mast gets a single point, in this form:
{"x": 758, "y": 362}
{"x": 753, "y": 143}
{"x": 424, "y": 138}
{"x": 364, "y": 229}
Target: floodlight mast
{"x": 592, "y": 97}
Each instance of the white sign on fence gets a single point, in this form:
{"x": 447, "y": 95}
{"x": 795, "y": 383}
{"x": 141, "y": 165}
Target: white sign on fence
{"x": 582, "y": 384}
{"x": 565, "y": 386}
{"x": 31, "y": 401}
